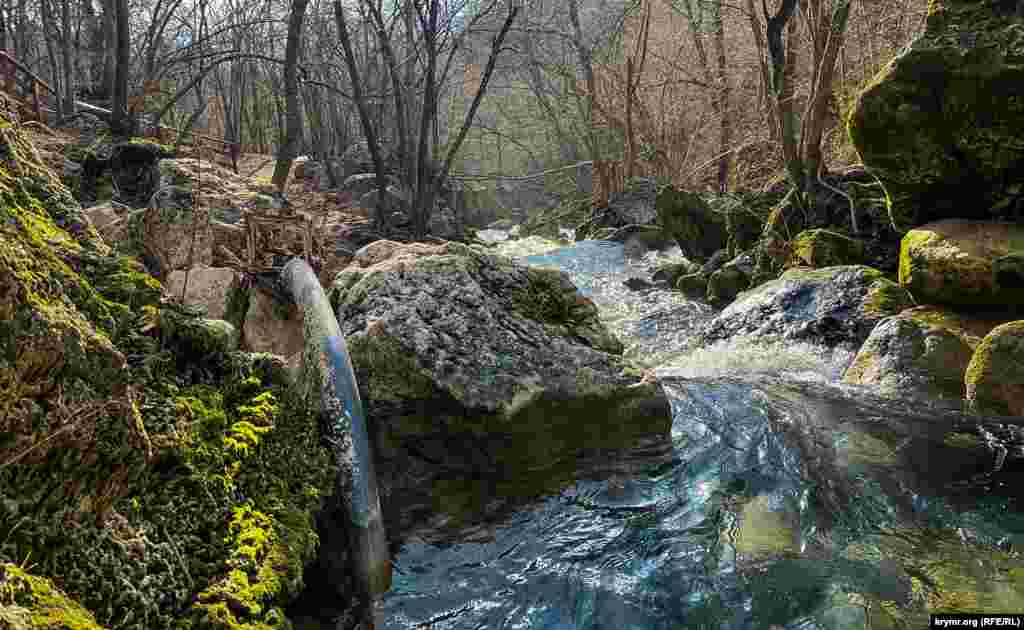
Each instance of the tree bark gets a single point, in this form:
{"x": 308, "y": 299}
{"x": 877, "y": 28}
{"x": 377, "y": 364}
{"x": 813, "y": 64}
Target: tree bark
{"x": 782, "y": 92}
{"x": 365, "y": 118}
{"x": 69, "y": 69}
{"x": 109, "y": 47}
{"x": 725, "y": 120}
{"x": 293, "y": 128}
{"x": 121, "y": 123}
{"x": 818, "y": 107}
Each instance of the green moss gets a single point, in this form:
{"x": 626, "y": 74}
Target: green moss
{"x": 243, "y": 599}
{"x": 885, "y": 297}
{"x": 824, "y": 248}
{"x": 995, "y": 375}
{"x": 163, "y": 150}
{"x": 542, "y": 299}
{"x": 909, "y": 261}
{"x": 29, "y": 602}
{"x": 395, "y": 374}
{"x": 962, "y": 440}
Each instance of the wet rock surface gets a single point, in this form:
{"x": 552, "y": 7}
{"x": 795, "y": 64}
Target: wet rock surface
{"x": 465, "y": 360}
{"x": 831, "y": 306}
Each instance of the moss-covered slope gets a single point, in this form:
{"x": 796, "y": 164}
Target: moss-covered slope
{"x": 144, "y": 482}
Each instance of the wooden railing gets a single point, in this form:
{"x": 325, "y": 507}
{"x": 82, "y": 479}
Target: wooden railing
{"x": 23, "y": 84}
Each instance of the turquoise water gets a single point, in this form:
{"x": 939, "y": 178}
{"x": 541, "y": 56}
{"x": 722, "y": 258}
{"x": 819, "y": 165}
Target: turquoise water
{"x": 789, "y": 501}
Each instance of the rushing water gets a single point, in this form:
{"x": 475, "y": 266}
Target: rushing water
{"x": 790, "y": 501}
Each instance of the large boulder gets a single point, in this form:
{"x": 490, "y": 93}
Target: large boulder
{"x": 176, "y": 234}
{"x": 697, "y": 229}
{"x": 940, "y": 124}
{"x": 477, "y": 369}
{"x": 967, "y": 263}
{"x": 995, "y": 375}
{"x": 835, "y": 306}
{"x": 923, "y": 351}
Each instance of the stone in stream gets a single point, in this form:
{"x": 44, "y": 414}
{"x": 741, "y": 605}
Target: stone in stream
{"x": 923, "y": 351}
{"x": 967, "y": 263}
{"x": 835, "y": 306}
{"x": 995, "y": 376}
{"x": 485, "y": 379}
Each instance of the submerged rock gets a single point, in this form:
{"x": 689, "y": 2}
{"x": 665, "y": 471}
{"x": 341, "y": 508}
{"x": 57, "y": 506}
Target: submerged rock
{"x": 923, "y": 351}
{"x": 940, "y": 124}
{"x": 995, "y": 376}
{"x": 967, "y": 263}
{"x": 476, "y": 367}
{"x": 832, "y": 306}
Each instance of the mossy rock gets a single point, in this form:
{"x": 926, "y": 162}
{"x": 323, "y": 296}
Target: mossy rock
{"x": 697, "y": 229}
{"x": 967, "y": 263}
{"x": 694, "y": 285}
{"x": 939, "y": 125}
{"x": 30, "y": 602}
{"x": 671, "y": 272}
{"x": 923, "y": 351}
{"x": 824, "y": 248}
{"x": 725, "y": 284}
{"x": 995, "y": 375}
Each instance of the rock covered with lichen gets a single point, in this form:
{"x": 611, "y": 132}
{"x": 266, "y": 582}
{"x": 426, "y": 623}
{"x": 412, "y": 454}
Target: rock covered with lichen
{"x": 995, "y": 375}
{"x": 940, "y": 124}
{"x": 143, "y": 466}
{"x": 488, "y": 367}
{"x": 834, "y": 306}
{"x": 964, "y": 263}
{"x": 923, "y": 351}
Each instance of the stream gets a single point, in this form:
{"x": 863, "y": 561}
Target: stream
{"x": 789, "y": 501}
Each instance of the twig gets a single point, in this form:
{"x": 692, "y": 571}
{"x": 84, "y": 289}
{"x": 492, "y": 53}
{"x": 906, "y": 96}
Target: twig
{"x": 853, "y": 213}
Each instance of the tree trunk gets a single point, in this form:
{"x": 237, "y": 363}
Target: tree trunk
{"x": 766, "y": 82}
{"x": 783, "y": 92}
{"x": 818, "y": 107}
{"x": 404, "y": 143}
{"x": 49, "y": 34}
{"x": 69, "y": 69}
{"x": 423, "y": 201}
{"x": 121, "y": 123}
{"x": 365, "y": 118}
{"x": 725, "y": 121}
{"x": 293, "y": 128}
{"x": 109, "y": 47}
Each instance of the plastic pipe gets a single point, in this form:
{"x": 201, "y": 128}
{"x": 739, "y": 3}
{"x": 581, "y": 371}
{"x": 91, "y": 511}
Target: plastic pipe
{"x": 347, "y": 431}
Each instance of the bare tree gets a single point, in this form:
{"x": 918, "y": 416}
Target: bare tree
{"x": 120, "y": 121}
{"x": 293, "y": 127}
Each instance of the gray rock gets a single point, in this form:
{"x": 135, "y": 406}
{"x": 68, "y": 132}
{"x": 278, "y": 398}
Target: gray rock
{"x": 476, "y": 367}
{"x": 834, "y": 306}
